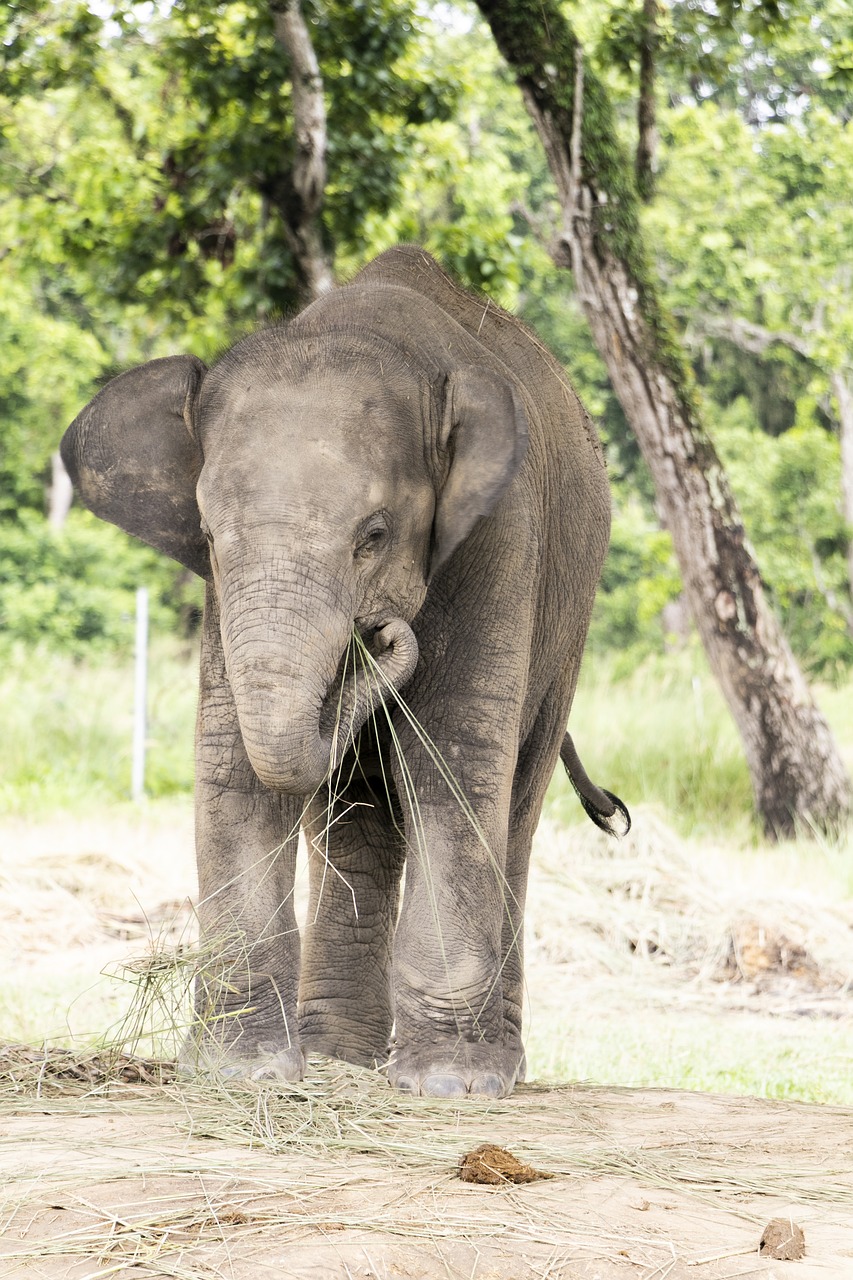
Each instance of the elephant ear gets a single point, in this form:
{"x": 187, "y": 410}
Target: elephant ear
{"x": 484, "y": 431}
{"x": 133, "y": 460}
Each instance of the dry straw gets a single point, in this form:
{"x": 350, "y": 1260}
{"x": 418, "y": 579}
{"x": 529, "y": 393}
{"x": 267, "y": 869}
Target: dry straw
{"x": 340, "y": 1111}
{"x": 343, "y": 1152}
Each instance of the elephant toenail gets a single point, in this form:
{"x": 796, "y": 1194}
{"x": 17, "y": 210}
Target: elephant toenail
{"x": 444, "y": 1087}
{"x": 489, "y": 1086}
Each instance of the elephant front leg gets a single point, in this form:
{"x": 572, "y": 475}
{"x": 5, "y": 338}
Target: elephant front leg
{"x": 356, "y": 858}
{"x": 452, "y": 1037}
{"x": 246, "y": 838}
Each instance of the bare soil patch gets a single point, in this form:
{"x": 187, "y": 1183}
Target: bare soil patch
{"x": 110, "y": 1168}
{"x": 342, "y": 1178}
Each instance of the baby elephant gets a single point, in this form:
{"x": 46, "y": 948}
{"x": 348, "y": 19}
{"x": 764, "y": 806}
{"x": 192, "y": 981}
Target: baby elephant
{"x": 400, "y": 510}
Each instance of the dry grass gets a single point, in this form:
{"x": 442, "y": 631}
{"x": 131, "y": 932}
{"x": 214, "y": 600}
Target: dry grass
{"x": 341, "y": 1161}
{"x": 158, "y": 1177}
{"x": 340, "y": 1111}
{"x": 697, "y": 915}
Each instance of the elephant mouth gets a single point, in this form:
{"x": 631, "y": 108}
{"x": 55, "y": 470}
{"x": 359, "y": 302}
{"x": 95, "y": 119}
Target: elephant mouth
{"x": 380, "y": 659}
{"x": 295, "y": 743}
{"x": 351, "y": 660}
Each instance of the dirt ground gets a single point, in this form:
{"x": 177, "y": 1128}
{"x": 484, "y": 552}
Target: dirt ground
{"x": 345, "y": 1179}
{"x": 655, "y": 1184}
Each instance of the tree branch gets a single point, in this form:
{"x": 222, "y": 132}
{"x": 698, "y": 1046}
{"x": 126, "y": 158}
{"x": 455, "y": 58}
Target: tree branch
{"x": 745, "y": 334}
{"x": 300, "y": 200}
{"x": 575, "y": 149}
{"x": 540, "y": 226}
{"x": 647, "y": 134}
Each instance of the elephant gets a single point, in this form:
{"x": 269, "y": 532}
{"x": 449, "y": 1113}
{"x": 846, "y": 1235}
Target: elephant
{"x": 400, "y": 509}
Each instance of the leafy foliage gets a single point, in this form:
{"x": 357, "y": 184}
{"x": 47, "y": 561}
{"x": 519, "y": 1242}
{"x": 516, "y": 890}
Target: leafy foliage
{"x": 640, "y": 577}
{"x": 771, "y": 245}
{"x": 76, "y": 590}
{"x": 787, "y": 490}
{"x": 770, "y": 60}
{"x": 190, "y": 139}
{"x": 144, "y": 167}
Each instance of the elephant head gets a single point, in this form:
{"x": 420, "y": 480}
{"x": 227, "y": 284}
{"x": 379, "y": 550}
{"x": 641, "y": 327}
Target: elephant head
{"x": 321, "y": 473}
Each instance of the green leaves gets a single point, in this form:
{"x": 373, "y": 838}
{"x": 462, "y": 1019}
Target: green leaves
{"x": 788, "y": 492}
{"x": 640, "y": 577}
{"x": 76, "y": 590}
{"x": 144, "y": 150}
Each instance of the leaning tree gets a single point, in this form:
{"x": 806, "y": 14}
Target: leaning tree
{"x": 798, "y": 777}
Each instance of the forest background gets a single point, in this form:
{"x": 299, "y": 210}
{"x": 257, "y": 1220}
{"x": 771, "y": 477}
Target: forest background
{"x": 144, "y": 210}
{"x": 146, "y": 176}
{"x": 147, "y": 208}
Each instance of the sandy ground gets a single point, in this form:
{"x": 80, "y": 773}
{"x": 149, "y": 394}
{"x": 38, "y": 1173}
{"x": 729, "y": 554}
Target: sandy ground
{"x": 651, "y": 1184}
{"x": 347, "y": 1180}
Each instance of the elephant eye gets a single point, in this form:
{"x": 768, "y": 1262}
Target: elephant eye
{"x": 206, "y": 531}
{"x": 373, "y": 535}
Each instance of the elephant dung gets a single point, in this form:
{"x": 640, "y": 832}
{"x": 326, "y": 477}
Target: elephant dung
{"x": 783, "y": 1240}
{"x": 493, "y": 1166}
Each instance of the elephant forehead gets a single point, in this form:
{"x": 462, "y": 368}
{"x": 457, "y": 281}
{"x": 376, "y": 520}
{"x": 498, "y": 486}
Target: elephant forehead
{"x": 325, "y": 421}
{"x": 317, "y": 449}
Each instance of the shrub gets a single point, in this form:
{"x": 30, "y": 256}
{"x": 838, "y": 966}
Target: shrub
{"x": 75, "y": 590}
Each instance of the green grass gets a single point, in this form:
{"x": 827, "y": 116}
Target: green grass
{"x": 663, "y": 735}
{"x": 68, "y": 1005}
{"x": 736, "y": 1053}
{"x": 67, "y": 729}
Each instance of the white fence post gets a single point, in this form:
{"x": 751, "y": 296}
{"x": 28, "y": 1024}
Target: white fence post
{"x": 140, "y": 698}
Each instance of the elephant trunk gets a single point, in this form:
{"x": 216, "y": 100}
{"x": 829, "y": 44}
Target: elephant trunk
{"x": 296, "y": 718}
{"x": 362, "y": 692}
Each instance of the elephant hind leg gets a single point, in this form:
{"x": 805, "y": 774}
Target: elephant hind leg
{"x": 355, "y": 858}
{"x": 536, "y": 762}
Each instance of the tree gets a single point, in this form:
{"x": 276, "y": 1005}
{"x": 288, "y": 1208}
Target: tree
{"x": 157, "y": 195}
{"x": 798, "y": 777}
{"x": 208, "y": 187}
{"x": 303, "y": 201}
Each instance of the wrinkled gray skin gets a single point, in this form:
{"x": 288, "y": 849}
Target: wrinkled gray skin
{"x": 406, "y": 459}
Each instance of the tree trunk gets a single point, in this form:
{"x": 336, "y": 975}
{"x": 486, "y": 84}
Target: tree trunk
{"x": 647, "y": 134}
{"x": 798, "y": 777}
{"x": 844, "y": 398}
{"x": 298, "y": 195}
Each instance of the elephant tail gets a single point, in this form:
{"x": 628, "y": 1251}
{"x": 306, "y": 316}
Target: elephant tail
{"x": 600, "y": 805}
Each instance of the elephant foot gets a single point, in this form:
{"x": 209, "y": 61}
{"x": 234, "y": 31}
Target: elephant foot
{"x": 343, "y": 1029}
{"x": 331, "y": 1046}
{"x": 262, "y": 1062}
{"x": 454, "y": 1069}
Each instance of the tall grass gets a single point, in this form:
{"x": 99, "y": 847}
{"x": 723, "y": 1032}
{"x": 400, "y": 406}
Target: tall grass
{"x": 661, "y": 735}
{"x": 67, "y": 724}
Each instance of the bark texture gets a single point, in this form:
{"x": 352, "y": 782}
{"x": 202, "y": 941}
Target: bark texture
{"x": 798, "y": 777}
{"x": 647, "y": 133}
{"x": 298, "y": 195}
{"x": 843, "y": 391}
